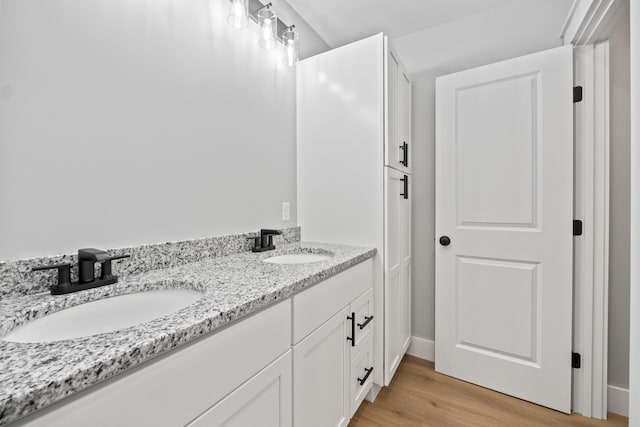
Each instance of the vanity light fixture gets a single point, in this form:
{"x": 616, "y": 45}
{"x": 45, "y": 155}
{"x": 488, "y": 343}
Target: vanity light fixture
{"x": 290, "y": 40}
{"x": 268, "y": 22}
{"x": 239, "y": 14}
{"x": 272, "y": 29}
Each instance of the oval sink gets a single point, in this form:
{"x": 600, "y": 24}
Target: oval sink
{"x": 104, "y": 315}
{"x": 297, "y": 258}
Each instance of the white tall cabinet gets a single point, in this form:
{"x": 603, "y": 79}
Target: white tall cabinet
{"x": 354, "y": 174}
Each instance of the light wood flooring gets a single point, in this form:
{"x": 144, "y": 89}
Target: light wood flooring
{"x": 418, "y": 396}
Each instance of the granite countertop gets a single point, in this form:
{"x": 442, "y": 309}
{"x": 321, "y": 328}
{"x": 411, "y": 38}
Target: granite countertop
{"x": 34, "y": 375}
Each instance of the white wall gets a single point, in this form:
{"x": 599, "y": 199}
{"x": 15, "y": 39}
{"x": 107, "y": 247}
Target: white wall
{"x": 618, "y": 361}
{"x": 423, "y": 223}
{"x": 126, "y": 121}
{"x": 507, "y": 31}
{"x": 634, "y": 375}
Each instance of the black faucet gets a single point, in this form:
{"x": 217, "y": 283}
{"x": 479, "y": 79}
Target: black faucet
{"x": 264, "y": 242}
{"x": 87, "y": 259}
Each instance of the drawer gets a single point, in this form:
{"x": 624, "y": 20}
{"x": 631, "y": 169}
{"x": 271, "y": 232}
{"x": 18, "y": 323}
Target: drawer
{"x": 361, "y": 374}
{"x": 315, "y": 305}
{"x": 265, "y": 400}
{"x": 362, "y": 308}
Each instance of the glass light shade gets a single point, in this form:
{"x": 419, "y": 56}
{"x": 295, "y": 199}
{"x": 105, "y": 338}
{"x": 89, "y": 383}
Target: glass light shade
{"x": 268, "y": 22}
{"x": 239, "y": 14}
{"x": 291, "y": 42}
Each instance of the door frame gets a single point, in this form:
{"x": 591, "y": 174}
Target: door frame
{"x": 587, "y": 27}
{"x": 591, "y": 249}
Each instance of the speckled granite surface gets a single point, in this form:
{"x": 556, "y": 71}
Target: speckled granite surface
{"x": 16, "y": 277}
{"x": 38, "y": 374}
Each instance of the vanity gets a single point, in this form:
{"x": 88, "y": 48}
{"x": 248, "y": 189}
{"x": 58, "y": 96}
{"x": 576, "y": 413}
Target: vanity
{"x": 276, "y": 343}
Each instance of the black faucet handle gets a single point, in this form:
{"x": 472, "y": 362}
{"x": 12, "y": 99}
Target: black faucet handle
{"x": 51, "y": 267}
{"x": 105, "y": 269}
{"x": 256, "y": 241}
{"x": 64, "y": 272}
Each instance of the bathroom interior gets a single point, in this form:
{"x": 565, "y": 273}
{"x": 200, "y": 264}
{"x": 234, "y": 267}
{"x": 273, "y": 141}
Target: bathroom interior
{"x": 305, "y": 213}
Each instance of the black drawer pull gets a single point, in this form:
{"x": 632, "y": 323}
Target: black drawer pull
{"x": 367, "y": 319}
{"x": 405, "y": 185}
{"x": 368, "y": 372}
{"x": 352, "y": 338}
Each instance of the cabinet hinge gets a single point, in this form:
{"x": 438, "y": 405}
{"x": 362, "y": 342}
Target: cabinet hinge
{"x": 577, "y": 227}
{"x": 577, "y": 93}
{"x": 575, "y": 360}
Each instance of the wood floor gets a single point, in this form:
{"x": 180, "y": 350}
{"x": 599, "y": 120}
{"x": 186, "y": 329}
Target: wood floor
{"x": 418, "y": 396}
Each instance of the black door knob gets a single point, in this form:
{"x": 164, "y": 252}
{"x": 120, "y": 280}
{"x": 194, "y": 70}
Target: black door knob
{"x": 445, "y": 240}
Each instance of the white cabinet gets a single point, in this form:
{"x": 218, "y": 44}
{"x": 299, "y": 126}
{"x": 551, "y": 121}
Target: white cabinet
{"x": 353, "y": 133}
{"x": 397, "y": 268}
{"x": 332, "y": 365}
{"x": 320, "y": 382}
{"x": 405, "y": 267}
{"x": 264, "y": 400}
{"x": 260, "y": 371}
{"x": 398, "y": 142}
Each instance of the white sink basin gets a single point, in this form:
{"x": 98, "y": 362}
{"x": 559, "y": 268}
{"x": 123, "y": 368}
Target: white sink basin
{"x": 104, "y": 315}
{"x": 297, "y": 258}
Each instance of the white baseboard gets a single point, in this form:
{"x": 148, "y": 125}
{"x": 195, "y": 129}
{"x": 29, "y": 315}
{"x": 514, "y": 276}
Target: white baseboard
{"x": 618, "y": 400}
{"x": 422, "y": 348}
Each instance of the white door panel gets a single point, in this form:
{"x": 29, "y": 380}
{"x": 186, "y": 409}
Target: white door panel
{"x": 405, "y": 274}
{"x": 504, "y": 191}
{"x": 392, "y": 149}
{"x": 397, "y": 269}
{"x": 320, "y": 375}
{"x": 404, "y": 121}
{"x": 393, "y": 271}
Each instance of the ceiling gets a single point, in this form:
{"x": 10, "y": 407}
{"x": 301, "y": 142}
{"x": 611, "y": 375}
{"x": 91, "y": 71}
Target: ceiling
{"x": 340, "y": 22}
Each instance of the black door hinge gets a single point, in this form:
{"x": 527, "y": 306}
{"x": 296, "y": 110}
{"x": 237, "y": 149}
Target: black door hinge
{"x": 575, "y": 360}
{"x": 577, "y": 93}
{"x": 577, "y": 227}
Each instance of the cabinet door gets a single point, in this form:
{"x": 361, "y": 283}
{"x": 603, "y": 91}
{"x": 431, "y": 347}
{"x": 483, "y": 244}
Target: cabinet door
{"x": 393, "y": 154}
{"x": 405, "y": 273}
{"x": 264, "y": 400}
{"x": 394, "y": 196}
{"x": 320, "y": 375}
{"x": 404, "y": 118}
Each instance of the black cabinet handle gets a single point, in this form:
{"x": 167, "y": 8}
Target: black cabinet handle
{"x": 352, "y": 338}
{"x": 368, "y": 372}
{"x": 367, "y": 319}
{"x": 445, "y": 240}
{"x": 406, "y": 155}
{"x": 405, "y": 183}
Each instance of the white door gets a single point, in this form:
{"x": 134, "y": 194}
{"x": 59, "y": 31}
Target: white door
{"x": 392, "y": 271}
{"x": 393, "y": 154}
{"x": 504, "y": 191}
{"x": 398, "y": 85}
{"x": 405, "y": 267}
{"x": 404, "y": 120}
{"x": 397, "y": 269}
{"x": 320, "y": 375}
